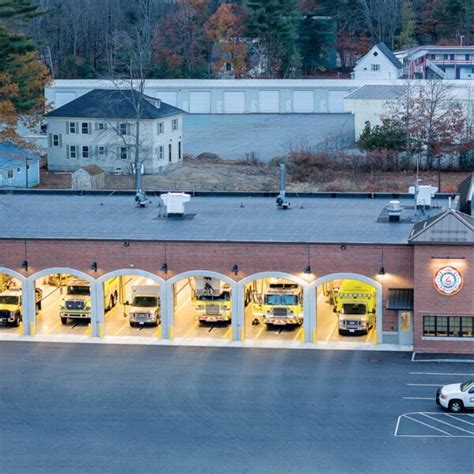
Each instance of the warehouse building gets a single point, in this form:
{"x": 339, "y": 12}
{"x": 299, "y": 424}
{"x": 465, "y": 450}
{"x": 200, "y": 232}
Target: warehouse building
{"x": 358, "y": 270}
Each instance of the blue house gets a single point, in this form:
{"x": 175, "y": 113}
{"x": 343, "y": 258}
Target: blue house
{"x": 19, "y": 168}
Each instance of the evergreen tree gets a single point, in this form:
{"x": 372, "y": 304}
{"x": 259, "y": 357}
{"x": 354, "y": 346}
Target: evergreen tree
{"x": 274, "y": 23}
{"x": 406, "y": 37}
{"x": 454, "y": 18}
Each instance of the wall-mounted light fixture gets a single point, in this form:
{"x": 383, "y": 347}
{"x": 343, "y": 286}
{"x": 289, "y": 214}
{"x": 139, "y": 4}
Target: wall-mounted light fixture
{"x": 382, "y": 271}
{"x": 307, "y": 270}
{"x": 164, "y": 268}
{"x": 93, "y": 266}
{"x": 343, "y": 246}
{"x": 235, "y": 269}
{"x": 24, "y": 265}
{"x": 126, "y": 243}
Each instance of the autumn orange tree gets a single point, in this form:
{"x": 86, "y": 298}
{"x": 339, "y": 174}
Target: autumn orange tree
{"x": 226, "y": 28}
{"x": 22, "y": 74}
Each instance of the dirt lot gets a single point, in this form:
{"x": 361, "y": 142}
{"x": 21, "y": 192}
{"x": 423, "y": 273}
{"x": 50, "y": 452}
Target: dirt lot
{"x": 197, "y": 175}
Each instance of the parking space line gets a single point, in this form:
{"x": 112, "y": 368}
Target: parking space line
{"x": 459, "y": 419}
{"x": 448, "y": 424}
{"x": 424, "y": 384}
{"x": 259, "y": 333}
{"x": 439, "y": 373}
{"x": 426, "y": 424}
{"x": 193, "y": 328}
{"x": 418, "y": 398}
{"x": 122, "y": 329}
{"x": 298, "y": 333}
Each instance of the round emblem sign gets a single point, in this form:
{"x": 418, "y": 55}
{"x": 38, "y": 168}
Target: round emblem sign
{"x": 448, "y": 281}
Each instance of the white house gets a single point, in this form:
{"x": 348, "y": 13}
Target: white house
{"x": 379, "y": 64}
{"x": 100, "y": 128}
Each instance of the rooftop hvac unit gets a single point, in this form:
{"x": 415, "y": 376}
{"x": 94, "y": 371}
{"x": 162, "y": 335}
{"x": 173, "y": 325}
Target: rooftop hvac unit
{"x": 424, "y": 195}
{"x": 394, "y": 211}
{"x": 175, "y": 202}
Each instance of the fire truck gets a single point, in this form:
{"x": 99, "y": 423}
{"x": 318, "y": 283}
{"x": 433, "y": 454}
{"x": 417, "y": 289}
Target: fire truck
{"x": 76, "y": 303}
{"x": 212, "y": 300}
{"x": 355, "y": 307}
{"x": 277, "y": 302}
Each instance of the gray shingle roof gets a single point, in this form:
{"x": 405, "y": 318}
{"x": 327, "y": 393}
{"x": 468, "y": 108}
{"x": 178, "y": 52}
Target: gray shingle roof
{"x": 12, "y": 155}
{"x": 320, "y": 219}
{"x": 380, "y": 92}
{"x": 389, "y": 54}
{"x": 113, "y": 104}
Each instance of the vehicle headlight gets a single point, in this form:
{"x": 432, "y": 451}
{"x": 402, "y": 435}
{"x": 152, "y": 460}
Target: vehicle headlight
{"x": 88, "y": 308}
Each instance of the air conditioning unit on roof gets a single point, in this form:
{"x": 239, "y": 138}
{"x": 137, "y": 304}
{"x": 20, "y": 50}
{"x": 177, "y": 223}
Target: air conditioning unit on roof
{"x": 175, "y": 202}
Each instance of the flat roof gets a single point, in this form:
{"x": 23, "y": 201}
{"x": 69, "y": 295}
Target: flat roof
{"x": 344, "y": 218}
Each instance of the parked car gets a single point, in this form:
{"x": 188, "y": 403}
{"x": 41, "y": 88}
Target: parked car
{"x": 457, "y": 396}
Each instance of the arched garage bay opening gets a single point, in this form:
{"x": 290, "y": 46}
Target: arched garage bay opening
{"x": 11, "y": 301}
{"x": 348, "y": 309}
{"x": 273, "y": 307}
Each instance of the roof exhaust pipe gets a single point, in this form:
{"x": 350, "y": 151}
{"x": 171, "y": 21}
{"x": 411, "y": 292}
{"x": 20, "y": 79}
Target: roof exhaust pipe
{"x": 281, "y": 201}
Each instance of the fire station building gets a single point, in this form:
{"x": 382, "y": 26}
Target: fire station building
{"x": 351, "y": 269}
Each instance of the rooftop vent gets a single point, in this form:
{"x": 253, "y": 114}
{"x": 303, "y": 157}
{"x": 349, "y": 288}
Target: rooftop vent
{"x": 423, "y": 195}
{"x": 281, "y": 201}
{"x": 174, "y": 203}
{"x": 394, "y": 211}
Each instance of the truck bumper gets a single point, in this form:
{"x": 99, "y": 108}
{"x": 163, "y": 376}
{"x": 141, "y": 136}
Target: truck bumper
{"x": 69, "y": 315}
{"x": 276, "y": 321}
{"x": 203, "y": 318}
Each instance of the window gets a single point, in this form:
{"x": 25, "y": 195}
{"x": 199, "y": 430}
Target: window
{"x": 228, "y": 67}
{"x": 72, "y": 127}
{"x": 10, "y": 174}
{"x": 123, "y": 128}
{"x": 18, "y": 170}
{"x": 179, "y": 150}
{"x": 448, "y": 326}
{"x": 85, "y": 128}
{"x": 376, "y": 54}
{"x": 56, "y": 140}
{"x": 101, "y": 126}
{"x": 375, "y": 67}
{"x": 169, "y": 152}
{"x": 85, "y": 152}
{"x": 73, "y": 152}
{"x": 161, "y": 128}
{"x": 123, "y": 152}
{"x": 101, "y": 150}
{"x": 161, "y": 152}
{"x": 174, "y": 125}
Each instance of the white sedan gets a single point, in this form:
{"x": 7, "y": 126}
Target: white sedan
{"x": 457, "y": 396}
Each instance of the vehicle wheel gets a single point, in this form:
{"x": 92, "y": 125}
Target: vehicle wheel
{"x": 456, "y": 406}
{"x": 63, "y": 320}
{"x": 133, "y": 325}
{"x": 340, "y": 332}
{"x": 16, "y": 323}
{"x": 115, "y": 298}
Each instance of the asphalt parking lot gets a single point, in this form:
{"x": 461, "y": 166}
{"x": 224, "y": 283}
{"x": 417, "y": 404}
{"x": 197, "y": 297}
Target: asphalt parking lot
{"x": 71, "y": 408}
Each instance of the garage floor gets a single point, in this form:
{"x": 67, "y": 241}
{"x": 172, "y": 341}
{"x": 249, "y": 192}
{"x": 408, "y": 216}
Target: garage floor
{"x": 327, "y": 327}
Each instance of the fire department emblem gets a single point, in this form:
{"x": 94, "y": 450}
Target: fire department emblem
{"x": 448, "y": 281}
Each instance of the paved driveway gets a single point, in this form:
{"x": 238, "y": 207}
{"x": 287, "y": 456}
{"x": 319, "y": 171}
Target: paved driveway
{"x": 88, "y": 408}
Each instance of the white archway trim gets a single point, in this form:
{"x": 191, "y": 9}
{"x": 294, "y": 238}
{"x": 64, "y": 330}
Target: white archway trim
{"x": 66, "y": 270}
{"x": 192, "y": 273}
{"x": 13, "y": 273}
{"x": 355, "y": 276}
{"x": 270, "y": 274}
{"x": 131, "y": 272}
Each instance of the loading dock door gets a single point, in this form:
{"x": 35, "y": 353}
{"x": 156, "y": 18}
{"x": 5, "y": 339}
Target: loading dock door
{"x": 269, "y": 102}
{"x": 303, "y": 102}
{"x": 234, "y": 102}
{"x": 168, "y": 97}
{"x": 200, "y": 102}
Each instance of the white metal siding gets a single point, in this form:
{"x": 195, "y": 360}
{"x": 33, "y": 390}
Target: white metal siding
{"x": 303, "y": 101}
{"x": 168, "y": 97}
{"x": 269, "y": 101}
{"x": 200, "y": 102}
{"x": 234, "y": 102}
{"x": 62, "y": 98}
{"x": 336, "y": 101}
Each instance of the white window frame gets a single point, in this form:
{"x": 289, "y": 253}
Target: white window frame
{"x": 55, "y": 140}
{"x": 101, "y": 150}
{"x": 73, "y": 150}
{"x": 84, "y": 148}
{"x": 161, "y": 128}
{"x": 87, "y": 127}
{"x": 161, "y": 152}
{"x": 72, "y": 128}
{"x": 121, "y": 148}
{"x": 101, "y": 126}
{"x": 174, "y": 125}
{"x": 375, "y": 67}
{"x": 120, "y": 129}
{"x": 10, "y": 174}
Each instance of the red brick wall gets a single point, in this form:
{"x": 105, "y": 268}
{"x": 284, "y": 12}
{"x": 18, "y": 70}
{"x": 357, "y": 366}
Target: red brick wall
{"x": 218, "y": 257}
{"x": 430, "y": 302}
